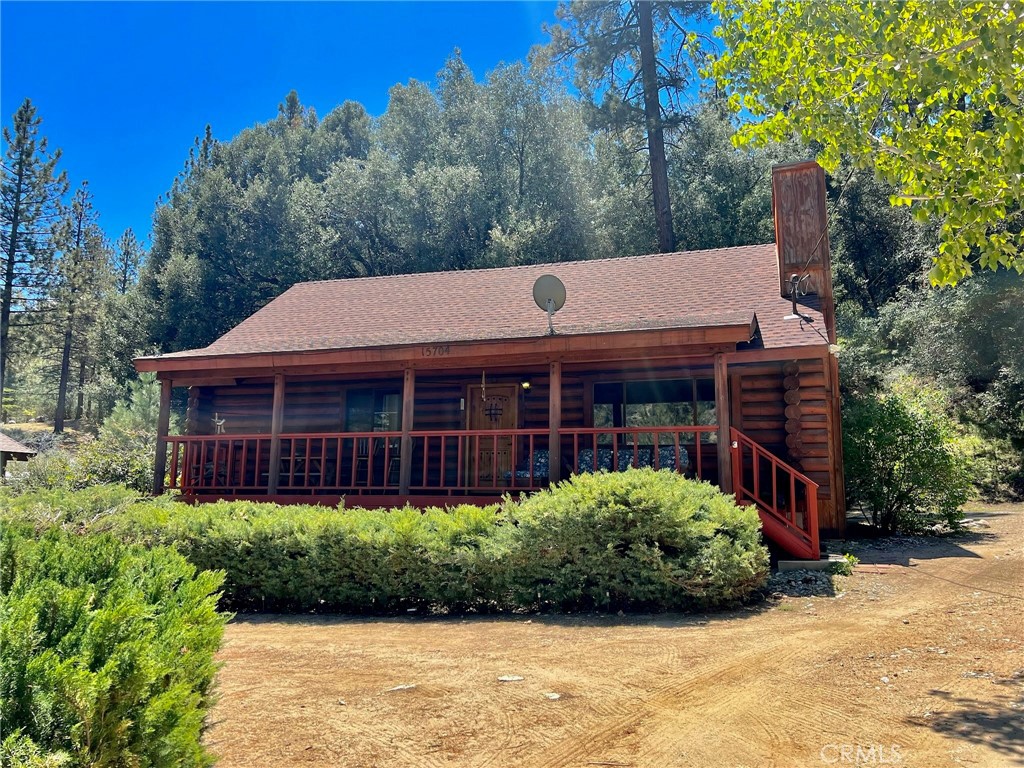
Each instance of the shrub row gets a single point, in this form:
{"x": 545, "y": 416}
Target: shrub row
{"x": 106, "y": 651}
{"x": 636, "y": 540}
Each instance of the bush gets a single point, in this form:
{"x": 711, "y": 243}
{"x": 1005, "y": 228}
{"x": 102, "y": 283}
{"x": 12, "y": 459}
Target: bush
{"x": 96, "y": 461}
{"x": 301, "y": 558}
{"x": 637, "y": 540}
{"x": 49, "y": 506}
{"x": 46, "y": 470}
{"x": 903, "y": 468}
{"x": 124, "y": 453}
{"x": 106, "y": 652}
{"x": 632, "y": 540}
{"x": 110, "y": 461}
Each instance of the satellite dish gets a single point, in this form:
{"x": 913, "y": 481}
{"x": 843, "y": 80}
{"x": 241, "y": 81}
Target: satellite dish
{"x": 549, "y": 293}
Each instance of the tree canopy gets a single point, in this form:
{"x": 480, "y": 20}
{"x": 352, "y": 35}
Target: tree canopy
{"x": 929, "y": 93}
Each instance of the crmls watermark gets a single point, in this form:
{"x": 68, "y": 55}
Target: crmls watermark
{"x": 861, "y": 754}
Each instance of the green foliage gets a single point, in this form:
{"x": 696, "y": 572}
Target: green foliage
{"x": 51, "y": 469}
{"x": 721, "y": 194}
{"x": 845, "y": 566}
{"x": 30, "y": 194}
{"x": 464, "y": 174}
{"x": 927, "y": 93}
{"x": 637, "y": 540}
{"x": 966, "y": 343}
{"x": 903, "y": 467}
{"x": 124, "y": 452}
{"x": 106, "y": 652}
{"x": 44, "y": 507}
{"x": 877, "y": 250}
{"x": 94, "y": 462}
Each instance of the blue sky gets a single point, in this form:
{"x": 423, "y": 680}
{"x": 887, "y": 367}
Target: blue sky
{"x": 124, "y": 87}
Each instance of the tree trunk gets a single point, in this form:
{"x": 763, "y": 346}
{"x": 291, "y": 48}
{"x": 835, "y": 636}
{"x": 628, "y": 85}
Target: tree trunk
{"x": 655, "y": 131}
{"x": 80, "y": 405}
{"x": 65, "y": 375}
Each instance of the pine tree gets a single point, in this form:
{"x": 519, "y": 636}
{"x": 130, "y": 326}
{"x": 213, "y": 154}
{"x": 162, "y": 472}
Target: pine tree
{"x": 635, "y": 60}
{"x": 30, "y": 193}
{"x": 83, "y": 271}
{"x": 128, "y": 255}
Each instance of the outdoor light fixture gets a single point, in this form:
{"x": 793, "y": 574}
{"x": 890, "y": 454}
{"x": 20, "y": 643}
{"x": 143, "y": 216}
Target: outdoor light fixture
{"x": 525, "y": 384}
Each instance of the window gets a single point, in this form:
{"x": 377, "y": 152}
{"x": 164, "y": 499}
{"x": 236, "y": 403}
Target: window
{"x": 655, "y": 403}
{"x": 373, "y": 410}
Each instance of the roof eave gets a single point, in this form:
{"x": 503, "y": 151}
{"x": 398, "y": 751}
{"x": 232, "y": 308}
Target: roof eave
{"x": 728, "y": 333}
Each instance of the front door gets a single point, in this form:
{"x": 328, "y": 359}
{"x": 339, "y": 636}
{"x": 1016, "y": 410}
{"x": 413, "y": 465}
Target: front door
{"x": 489, "y": 457}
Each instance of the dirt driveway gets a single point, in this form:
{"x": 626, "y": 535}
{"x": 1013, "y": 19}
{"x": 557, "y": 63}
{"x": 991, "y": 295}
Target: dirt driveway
{"x": 918, "y": 663}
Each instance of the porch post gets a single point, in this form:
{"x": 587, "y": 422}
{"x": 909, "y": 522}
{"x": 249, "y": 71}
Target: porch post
{"x": 163, "y": 425}
{"x": 554, "y": 421}
{"x": 276, "y": 421}
{"x": 722, "y": 411}
{"x": 405, "y": 453}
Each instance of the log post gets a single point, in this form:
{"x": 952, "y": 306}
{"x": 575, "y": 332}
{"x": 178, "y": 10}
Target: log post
{"x": 276, "y": 422}
{"x": 163, "y": 425}
{"x": 722, "y": 412}
{"x": 408, "y": 413}
{"x": 554, "y": 422}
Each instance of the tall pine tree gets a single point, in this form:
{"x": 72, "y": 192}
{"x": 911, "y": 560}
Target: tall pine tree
{"x": 30, "y": 194}
{"x": 83, "y": 274}
{"x": 636, "y": 61}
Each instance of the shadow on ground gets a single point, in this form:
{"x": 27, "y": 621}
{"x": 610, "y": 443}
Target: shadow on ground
{"x": 998, "y": 726}
{"x": 900, "y": 550}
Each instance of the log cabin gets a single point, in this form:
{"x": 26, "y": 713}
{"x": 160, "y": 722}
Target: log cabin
{"x": 451, "y": 387}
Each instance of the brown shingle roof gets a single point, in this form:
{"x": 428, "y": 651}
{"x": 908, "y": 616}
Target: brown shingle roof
{"x": 10, "y": 445}
{"x": 712, "y": 288}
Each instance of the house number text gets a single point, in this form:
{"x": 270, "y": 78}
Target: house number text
{"x": 438, "y": 351}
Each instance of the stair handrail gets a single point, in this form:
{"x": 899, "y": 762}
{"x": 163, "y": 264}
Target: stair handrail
{"x": 809, "y": 531}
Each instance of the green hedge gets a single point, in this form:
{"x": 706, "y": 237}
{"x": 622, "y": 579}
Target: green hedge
{"x": 106, "y": 651}
{"x": 635, "y": 540}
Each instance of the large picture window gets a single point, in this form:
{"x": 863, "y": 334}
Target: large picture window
{"x": 373, "y": 410}
{"x": 655, "y": 403}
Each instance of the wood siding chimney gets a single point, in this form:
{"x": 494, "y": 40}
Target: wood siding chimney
{"x": 801, "y": 233}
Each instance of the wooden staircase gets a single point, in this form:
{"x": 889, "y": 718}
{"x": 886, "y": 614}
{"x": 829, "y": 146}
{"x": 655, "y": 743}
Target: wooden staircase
{"x": 786, "y": 500}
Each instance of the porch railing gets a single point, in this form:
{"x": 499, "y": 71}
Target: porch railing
{"x": 240, "y": 464}
{"x": 690, "y": 450}
{"x": 483, "y": 462}
{"x": 786, "y": 499}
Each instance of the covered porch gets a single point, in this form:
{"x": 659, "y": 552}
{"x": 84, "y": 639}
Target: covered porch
{"x": 452, "y": 433}
{"x": 435, "y": 435}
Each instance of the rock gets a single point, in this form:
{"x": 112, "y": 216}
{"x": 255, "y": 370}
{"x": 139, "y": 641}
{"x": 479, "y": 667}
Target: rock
{"x": 885, "y": 680}
{"x": 553, "y": 696}
{"x": 341, "y": 702}
{"x": 509, "y": 679}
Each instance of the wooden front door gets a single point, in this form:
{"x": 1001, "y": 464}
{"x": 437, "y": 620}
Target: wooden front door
{"x": 489, "y": 457}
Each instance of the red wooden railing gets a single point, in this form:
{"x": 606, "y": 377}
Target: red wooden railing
{"x": 685, "y": 449}
{"x": 480, "y": 461}
{"x": 786, "y": 500}
{"x": 442, "y": 462}
{"x": 240, "y": 464}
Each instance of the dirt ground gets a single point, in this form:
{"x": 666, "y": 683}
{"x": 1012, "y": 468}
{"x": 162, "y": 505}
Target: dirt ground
{"x": 916, "y": 662}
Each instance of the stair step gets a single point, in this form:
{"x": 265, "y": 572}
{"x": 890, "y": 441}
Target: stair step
{"x": 809, "y": 565}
